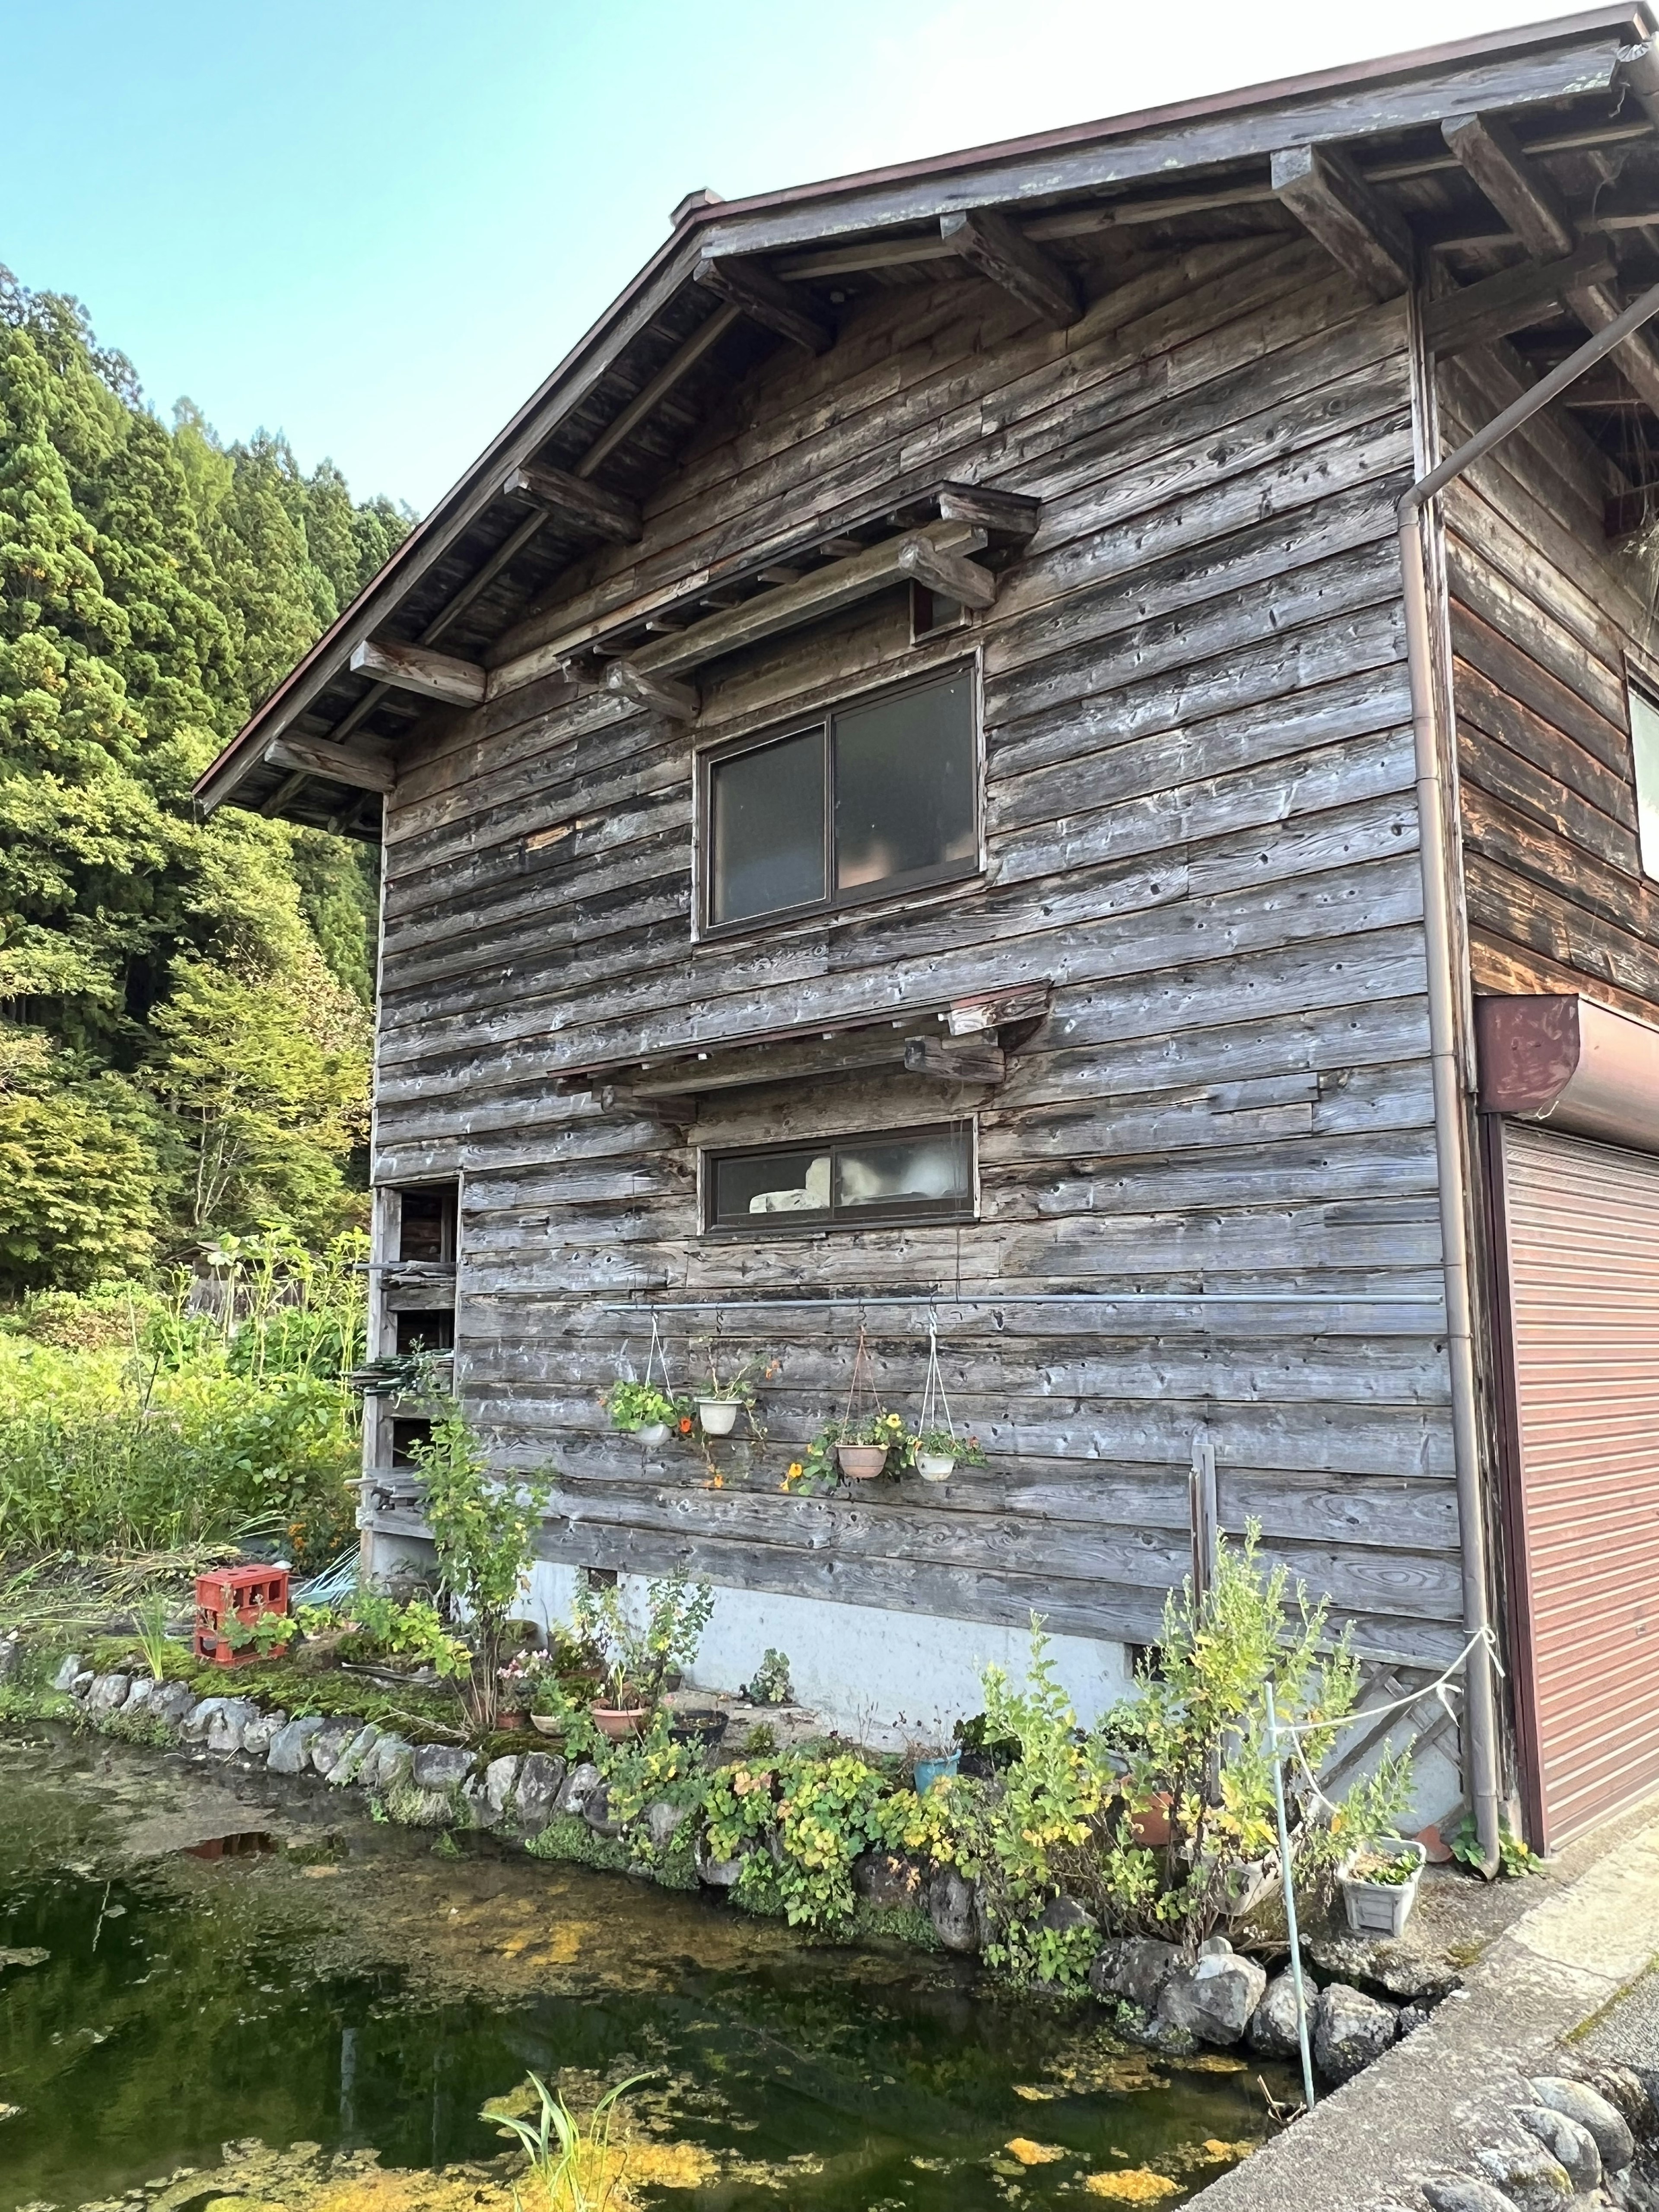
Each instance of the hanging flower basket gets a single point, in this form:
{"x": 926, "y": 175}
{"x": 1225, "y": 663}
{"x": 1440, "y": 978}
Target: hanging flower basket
{"x": 934, "y": 1448}
{"x": 861, "y": 1463}
{"x": 719, "y": 1416}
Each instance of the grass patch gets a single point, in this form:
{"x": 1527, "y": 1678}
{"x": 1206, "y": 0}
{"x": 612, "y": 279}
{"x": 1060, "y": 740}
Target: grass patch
{"x": 568, "y": 1837}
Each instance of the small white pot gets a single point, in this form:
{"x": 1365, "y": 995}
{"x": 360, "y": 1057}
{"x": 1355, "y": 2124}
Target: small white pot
{"x": 935, "y": 1466}
{"x": 652, "y": 1435}
{"x": 719, "y": 1416}
{"x": 1382, "y": 1908}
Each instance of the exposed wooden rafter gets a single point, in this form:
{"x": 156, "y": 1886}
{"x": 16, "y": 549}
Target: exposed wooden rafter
{"x": 764, "y": 300}
{"x": 1512, "y": 301}
{"x": 418, "y": 668}
{"x": 1536, "y": 213}
{"x": 991, "y": 244}
{"x": 365, "y": 767}
{"x": 586, "y": 504}
{"x": 650, "y": 397}
{"x": 948, "y": 574}
{"x": 1325, "y": 193}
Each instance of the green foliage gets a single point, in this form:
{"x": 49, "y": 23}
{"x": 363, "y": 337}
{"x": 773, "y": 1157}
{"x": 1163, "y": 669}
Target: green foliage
{"x": 481, "y": 1530}
{"x": 769, "y": 1684}
{"x": 185, "y": 1055}
{"x": 150, "y": 1615}
{"x": 570, "y": 2159}
{"x": 130, "y": 1419}
{"x": 638, "y": 1654}
{"x": 1515, "y": 1858}
{"x": 634, "y": 1406}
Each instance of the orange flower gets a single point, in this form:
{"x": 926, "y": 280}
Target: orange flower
{"x": 685, "y": 1424}
{"x": 715, "y": 1482}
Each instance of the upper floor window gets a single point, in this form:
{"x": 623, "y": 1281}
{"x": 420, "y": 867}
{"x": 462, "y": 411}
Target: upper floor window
{"x": 843, "y": 1182}
{"x": 1644, "y": 751}
{"x": 867, "y": 799}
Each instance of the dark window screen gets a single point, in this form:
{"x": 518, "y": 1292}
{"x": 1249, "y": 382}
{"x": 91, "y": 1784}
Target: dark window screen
{"x": 427, "y": 1231}
{"x": 904, "y": 784}
{"x": 767, "y": 828}
{"x": 432, "y": 1331}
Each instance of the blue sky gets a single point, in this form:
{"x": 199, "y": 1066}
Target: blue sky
{"x": 376, "y": 226}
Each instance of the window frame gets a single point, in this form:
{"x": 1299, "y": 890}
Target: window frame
{"x": 1642, "y": 682}
{"x": 901, "y": 1214}
{"x": 822, "y": 719}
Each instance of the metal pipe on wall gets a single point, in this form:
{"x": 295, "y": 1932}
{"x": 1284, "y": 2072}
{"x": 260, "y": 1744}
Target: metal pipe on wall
{"x": 1412, "y": 513}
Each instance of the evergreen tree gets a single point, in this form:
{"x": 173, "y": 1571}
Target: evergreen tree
{"x": 154, "y": 585}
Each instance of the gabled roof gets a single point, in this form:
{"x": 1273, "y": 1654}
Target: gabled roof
{"x": 1369, "y": 158}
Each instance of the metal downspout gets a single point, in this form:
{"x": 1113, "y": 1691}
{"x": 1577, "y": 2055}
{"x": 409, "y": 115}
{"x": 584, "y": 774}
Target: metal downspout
{"x": 1413, "y": 512}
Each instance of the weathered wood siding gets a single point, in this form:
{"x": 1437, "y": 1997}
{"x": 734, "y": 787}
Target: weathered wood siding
{"x": 1201, "y": 828}
{"x": 1542, "y": 613}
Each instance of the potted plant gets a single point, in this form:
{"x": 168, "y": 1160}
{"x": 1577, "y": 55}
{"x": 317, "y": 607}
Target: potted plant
{"x": 1379, "y": 1884}
{"x": 863, "y": 1448}
{"x": 642, "y": 1410}
{"x": 640, "y": 1653}
{"x": 730, "y": 1393}
{"x": 937, "y": 1453}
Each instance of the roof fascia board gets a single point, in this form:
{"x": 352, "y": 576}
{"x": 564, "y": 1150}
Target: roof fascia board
{"x": 1628, "y": 23}
{"x": 1359, "y": 109}
{"x": 588, "y": 361}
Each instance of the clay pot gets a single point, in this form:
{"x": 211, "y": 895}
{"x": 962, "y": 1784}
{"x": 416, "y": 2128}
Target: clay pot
{"x": 1150, "y": 1823}
{"x": 719, "y": 1416}
{"x": 617, "y": 1722}
{"x": 510, "y": 1720}
{"x": 862, "y": 1462}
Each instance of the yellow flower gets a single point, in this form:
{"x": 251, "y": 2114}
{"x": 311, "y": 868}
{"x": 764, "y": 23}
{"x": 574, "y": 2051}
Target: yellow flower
{"x": 796, "y": 1470}
{"x": 894, "y": 1422}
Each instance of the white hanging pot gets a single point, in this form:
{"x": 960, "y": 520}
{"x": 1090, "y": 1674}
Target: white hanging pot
{"x": 652, "y": 1435}
{"x": 719, "y": 1416}
{"x": 935, "y": 1466}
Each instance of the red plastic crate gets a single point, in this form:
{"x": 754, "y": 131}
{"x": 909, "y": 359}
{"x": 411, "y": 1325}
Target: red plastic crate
{"x": 239, "y": 1592}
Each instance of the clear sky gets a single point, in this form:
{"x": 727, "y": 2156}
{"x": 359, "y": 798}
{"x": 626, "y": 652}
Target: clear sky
{"x": 376, "y": 224}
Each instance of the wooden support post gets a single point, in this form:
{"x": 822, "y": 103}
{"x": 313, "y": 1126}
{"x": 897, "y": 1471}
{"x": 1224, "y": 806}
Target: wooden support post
{"x": 765, "y": 302}
{"x": 988, "y": 241}
{"x": 679, "y": 702}
{"x": 1510, "y": 301}
{"x": 1535, "y": 212}
{"x": 417, "y": 668}
{"x": 370, "y": 769}
{"x": 948, "y": 574}
{"x": 1327, "y": 196}
{"x": 578, "y": 501}
{"x": 1000, "y": 513}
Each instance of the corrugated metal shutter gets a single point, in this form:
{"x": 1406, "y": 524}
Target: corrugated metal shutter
{"x": 1583, "y": 1238}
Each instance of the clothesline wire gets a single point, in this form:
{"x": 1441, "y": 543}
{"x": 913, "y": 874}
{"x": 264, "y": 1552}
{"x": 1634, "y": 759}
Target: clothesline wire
{"x": 1440, "y": 1687}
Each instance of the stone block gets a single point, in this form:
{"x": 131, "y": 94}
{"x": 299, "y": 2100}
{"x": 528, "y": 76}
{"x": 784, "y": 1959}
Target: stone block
{"x": 81, "y": 1687}
{"x": 1606, "y": 2125}
{"x": 662, "y": 1823}
{"x": 441, "y": 1766}
{"x": 290, "y": 1748}
{"x": 108, "y": 1694}
{"x": 141, "y": 1695}
{"x": 1573, "y": 2147}
{"x": 68, "y": 1672}
{"x": 328, "y": 1744}
{"x": 389, "y": 1763}
{"x": 1272, "y": 2029}
{"x": 348, "y": 1766}
{"x": 596, "y": 1811}
{"x": 1214, "y": 1998}
{"x": 226, "y": 1724}
{"x": 1349, "y": 2031}
{"x": 1453, "y": 2193}
{"x": 194, "y": 1726}
{"x": 577, "y": 1788}
{"x": 540, "y": 1778}
{"x": 1134, "y": 1968}
{"x": 719, "y": 1873}
{"x": 496, "y": 1791}
{"x": 172, "y": 1703}
{"x": 1064, "y": 1915}
{"x": 1529, "y": 2177}
{"x": 951, "y": 1909}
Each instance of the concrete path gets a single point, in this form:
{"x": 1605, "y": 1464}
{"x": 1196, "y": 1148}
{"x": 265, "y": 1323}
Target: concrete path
{"x": 1423, "y": 2109}
{"x": 1628, "y": 2034}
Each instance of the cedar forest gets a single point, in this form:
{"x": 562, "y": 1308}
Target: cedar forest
{"x": 184, "y": 1006}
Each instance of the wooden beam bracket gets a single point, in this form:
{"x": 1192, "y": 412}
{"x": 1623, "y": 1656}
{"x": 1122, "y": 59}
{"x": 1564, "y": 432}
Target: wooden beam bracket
{"x": 765, "y": 302}
{"x": 1512, "y": 301}
{"x": 1369, "y": 236}
{"x": 942, "y": 1061}
{"x": 948, "y": 574}
{"x": 998, "y": 250}
{"x": 365, "y": 768}
{"x": 418, "y": 668}
{"x": 577, "y": 500}
{"x": 679, "y": 703}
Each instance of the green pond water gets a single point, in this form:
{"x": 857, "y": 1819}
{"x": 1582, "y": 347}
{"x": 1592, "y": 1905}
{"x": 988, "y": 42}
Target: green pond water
{"x": 331, "y": 1980}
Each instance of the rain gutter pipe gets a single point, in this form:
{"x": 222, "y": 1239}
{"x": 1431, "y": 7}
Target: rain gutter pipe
{"x": 1481, "y": 1704}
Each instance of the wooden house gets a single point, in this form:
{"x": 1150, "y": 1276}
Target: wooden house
{"x": 906, "y": 817}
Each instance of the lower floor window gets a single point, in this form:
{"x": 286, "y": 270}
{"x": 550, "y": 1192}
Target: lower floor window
{"x": 897, "y": 1174}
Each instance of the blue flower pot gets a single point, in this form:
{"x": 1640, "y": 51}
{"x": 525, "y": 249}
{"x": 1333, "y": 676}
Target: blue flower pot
{"x": 928, "y": 1771}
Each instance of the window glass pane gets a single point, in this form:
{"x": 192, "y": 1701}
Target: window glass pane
{"x": 906, "y": 1170}
{"x": 904, "y": 784}
{"x": 1644, "y": 745}
{"x": 771, "y": 1182}
{"x": 766, "y": 827}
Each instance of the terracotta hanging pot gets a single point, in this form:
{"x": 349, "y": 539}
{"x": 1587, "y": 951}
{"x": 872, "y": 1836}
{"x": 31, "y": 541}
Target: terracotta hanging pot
{"x": 861, "y": 1463}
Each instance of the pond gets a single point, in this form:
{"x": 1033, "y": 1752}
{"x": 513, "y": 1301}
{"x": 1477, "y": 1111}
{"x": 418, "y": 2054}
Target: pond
{"x": 312, "y": 1977}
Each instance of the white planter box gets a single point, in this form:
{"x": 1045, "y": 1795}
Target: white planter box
{"x": 1382, "y": 1908}
{"x": 719, "y": 1416}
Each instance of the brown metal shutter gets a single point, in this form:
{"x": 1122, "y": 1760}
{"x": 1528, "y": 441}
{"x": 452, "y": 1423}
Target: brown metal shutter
{"x": 1583, "y": 1241}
